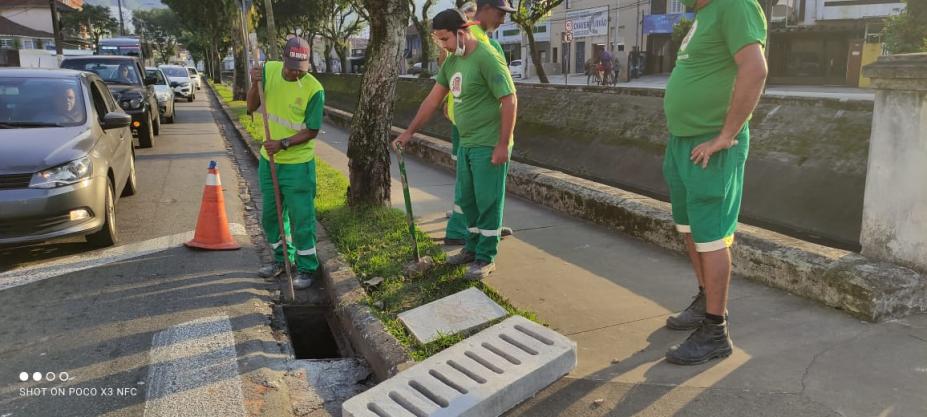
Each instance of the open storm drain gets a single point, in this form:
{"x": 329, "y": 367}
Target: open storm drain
{"x": 310, "y": 333}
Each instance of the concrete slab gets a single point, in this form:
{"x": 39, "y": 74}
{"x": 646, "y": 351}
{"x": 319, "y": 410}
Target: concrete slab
{"x": 451, "y": 315}
{"x": 484, "y": 375}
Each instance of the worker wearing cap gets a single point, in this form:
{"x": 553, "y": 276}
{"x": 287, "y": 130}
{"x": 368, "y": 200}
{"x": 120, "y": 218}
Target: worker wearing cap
{"x": 489, "y": 15}
{"x": 484, "y": 108}
{"x": 294, "y": 104}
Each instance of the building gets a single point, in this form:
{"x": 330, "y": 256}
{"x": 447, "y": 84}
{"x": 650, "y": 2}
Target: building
{"x": 596, "y": 25}
{"x": 658, "y": 26}
{"x": 825, "y": 42}
{"x": 27, "y": 24}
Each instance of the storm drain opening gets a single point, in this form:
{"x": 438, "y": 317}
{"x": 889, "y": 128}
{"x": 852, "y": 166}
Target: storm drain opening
{"x": 311, "y": 333}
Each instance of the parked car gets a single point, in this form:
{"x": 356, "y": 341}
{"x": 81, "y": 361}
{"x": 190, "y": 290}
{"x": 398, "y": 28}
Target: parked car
{"x": 163, "y": 92}
{"x": 517, "y": 69}
{"x": 135, "y": 94}
{"x": 195, "y": 76}
{"x": 180, "y": 81}
{"x": 66, "y": 156}
{"x": 415, "y": 69}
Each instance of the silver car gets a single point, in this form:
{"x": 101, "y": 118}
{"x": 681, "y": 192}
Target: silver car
{"x": 196, "y": 77}
{"x": 163, "y": 92}
{"x": 66, "y": 156}
{"x": 180, "y": 81}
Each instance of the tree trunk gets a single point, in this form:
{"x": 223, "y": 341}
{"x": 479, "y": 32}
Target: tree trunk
{"x": 328, "y": 57}
{"x": 240, "y": 89}
{"x": 368, "y": 145}
{"x": 342, "y": 50}
{"x": 426, "y": 51}
{"x": 535, "y": 56}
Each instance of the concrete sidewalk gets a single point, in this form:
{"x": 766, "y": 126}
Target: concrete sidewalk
{"x": 612, "y": 294}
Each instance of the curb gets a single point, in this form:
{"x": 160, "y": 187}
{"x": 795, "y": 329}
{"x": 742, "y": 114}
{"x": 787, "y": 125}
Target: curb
{"x": 866, "y": 288}
{"x": 382, "y": 351}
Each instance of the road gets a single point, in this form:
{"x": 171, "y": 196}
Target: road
{"x": 147, "y": 327}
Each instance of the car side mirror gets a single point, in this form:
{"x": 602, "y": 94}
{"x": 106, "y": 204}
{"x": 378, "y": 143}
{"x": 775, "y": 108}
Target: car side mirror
{"x": 116, "y": 120}
{"x": 151, "y": 80}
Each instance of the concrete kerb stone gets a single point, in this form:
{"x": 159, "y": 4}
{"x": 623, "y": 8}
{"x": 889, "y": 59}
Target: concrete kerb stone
{"x": 863, "y": 287}
{"x": 367, "y": 334}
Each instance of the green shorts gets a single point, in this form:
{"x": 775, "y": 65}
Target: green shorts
{"x": 706, "y": 201}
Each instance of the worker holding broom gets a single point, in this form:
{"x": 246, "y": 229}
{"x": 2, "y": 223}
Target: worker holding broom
{"x": 484, "y": 109}
{"x": 294, "y": 103}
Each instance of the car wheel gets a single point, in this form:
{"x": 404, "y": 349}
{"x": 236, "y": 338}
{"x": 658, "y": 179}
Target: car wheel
{"x": 132, "y": 182}
{"x": 191, "y": 98}
{"x": 157, "y": 125}
{"x": 146, "y": 134}
{"x": 107, "y": 236}
{"x": 170, "y": 120}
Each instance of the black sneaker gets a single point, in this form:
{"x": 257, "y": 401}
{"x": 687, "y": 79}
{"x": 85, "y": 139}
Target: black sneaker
{"x": 479, "y": 269}
{"x": 270, "y": 271}
{"x": 461, "y": 258}
{"x": 302, "y": 280}
{"x": 690, "y": 318}
{"x": 708, "y": 342}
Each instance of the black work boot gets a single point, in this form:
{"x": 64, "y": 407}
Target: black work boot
{"x": 691, "y": 317}
{"x": 709, "y": 341}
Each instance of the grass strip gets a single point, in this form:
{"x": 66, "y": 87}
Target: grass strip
{"x": 375, "y": 242}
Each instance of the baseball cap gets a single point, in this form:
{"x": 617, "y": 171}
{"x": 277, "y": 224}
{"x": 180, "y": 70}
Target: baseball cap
{"x": 451, "y": 20}
{"x": 296, "y": 54}
{"x": 499, "y": 4}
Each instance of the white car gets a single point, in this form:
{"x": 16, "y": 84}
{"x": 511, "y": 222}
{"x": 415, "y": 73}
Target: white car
{"x": 195, "y": 76}
{"x": 180, "y": 81}
{"x": 517, "y": 69}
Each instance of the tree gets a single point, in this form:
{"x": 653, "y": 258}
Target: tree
{"x": 907, "y": 32}
{"x": 211, "y": 24}
{"x": 95, "y": 20}
{"x": 681, "y": 29}
{"x": 423, "y": 25}
{"x": 368, "y": 145}
{"x": 160, "y": 27}
{"x": 341, "y": 21}
{"x": 526, "y": 16}
{"x": 297, "y": 17}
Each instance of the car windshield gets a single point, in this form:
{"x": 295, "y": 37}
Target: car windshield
{"x": 175, "y": 72}
{"x": 109, "y": 71}
{"x": 40, "y": 102}
{"x": 157, "y": 75}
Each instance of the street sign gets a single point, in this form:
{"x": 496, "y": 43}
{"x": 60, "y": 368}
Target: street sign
{"x": 568, "y": 26}
{"x": 567, "y": 37}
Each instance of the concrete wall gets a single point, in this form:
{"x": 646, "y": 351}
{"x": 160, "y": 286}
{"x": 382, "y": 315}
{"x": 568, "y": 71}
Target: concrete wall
{"x": 805, "y": 176}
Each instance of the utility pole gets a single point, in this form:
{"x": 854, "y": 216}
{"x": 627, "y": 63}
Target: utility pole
{"x": 56, "y": 27}
{"x": 122, "y": 25}
{"x": 271, "y": 30}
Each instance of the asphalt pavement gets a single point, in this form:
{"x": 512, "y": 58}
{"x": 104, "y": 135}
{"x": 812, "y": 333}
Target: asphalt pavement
{"x": 147, "y": 328}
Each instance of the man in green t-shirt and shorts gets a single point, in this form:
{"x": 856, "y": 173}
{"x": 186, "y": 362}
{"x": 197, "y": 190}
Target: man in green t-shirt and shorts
{"x": 714, "y": 88}
{"x": 489, "y": 14}
{"x": 484, "y": 108}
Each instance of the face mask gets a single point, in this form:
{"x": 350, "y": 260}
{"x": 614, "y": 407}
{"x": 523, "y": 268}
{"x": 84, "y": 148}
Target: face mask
{"x": 461, "y": 48}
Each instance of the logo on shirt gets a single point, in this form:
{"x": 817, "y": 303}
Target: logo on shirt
{"x": 685, "y": 41}
{"x": 456, "y": 84}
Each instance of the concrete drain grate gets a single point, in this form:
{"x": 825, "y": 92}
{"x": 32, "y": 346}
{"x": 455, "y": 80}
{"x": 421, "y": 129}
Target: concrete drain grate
{"x": 482, "y": 376}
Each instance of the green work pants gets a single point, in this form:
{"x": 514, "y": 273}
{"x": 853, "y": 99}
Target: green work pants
{"x": 297, "y": 195}
{"x": 481, "y": 190}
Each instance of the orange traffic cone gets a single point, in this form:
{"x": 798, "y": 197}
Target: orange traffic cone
{"x": 212, "y": 227}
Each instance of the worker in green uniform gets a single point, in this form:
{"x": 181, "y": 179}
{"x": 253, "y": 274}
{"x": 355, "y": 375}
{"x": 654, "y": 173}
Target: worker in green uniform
{"x": 295, "y": 102}
{"x": 718, "y": 79}
{"x": 484, "y": 108}
{"x": 489, "y": 14}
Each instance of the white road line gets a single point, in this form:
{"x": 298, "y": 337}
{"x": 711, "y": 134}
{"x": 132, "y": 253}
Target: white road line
{"x": 67, "y": 265}
{"x": 194, "y": 371}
